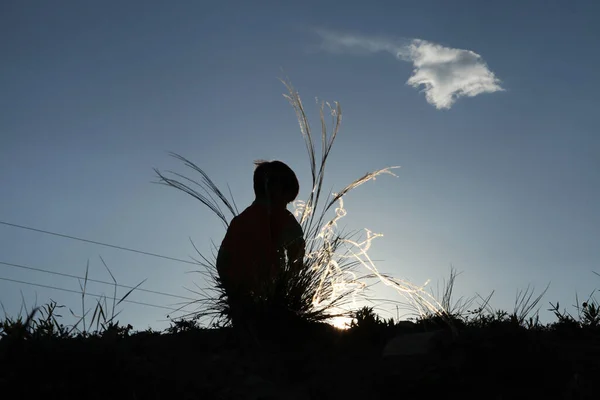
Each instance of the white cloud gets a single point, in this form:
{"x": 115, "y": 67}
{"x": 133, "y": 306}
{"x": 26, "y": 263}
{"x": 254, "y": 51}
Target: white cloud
{"x": 444, "y": 73}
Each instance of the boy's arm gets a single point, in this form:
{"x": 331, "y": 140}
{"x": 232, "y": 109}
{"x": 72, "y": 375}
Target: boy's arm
{"x": 296, "y": 246}
{"x": 223, "y": 259}
{"x": 296, "y": 251}
{"x": 224, "y": 256}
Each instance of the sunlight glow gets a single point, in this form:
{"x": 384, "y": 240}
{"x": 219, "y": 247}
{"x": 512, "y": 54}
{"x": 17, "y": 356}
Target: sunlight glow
{"x": 341, "y": 322}
{"x": 344, "y": 281}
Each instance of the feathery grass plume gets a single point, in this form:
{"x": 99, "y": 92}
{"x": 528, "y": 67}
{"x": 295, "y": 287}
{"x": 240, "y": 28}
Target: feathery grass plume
{"x": 330, "y": 277}
{"x": 418, "y": 298}
{"x": 206, "y": 185}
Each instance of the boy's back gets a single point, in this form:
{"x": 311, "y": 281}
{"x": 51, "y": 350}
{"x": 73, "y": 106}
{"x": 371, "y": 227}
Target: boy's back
{"x": 253, "y": 248}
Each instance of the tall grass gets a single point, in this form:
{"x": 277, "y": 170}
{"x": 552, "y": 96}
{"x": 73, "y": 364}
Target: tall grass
{"x": 330, "y": 278}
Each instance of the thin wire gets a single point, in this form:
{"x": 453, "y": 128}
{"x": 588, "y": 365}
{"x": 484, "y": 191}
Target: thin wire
{"x": 92, "y": 280}
{"x": 98, "y": 243}
{"x": 87, "y": 294}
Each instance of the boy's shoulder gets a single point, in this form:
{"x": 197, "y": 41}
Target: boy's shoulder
{"x": 289, "y": 215}
{"x": 292, "y": 223}
{"x": 252, "y": 211}
{"x": 258, "y": 210}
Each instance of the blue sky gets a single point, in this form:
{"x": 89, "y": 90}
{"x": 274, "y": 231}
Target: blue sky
{"x": 501, "y": 182}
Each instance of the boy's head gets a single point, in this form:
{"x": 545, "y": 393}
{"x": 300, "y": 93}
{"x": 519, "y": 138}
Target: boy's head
{"x": 275, "y": 181}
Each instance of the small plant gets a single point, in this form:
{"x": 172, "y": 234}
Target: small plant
{"x": 114, "y": 330}
{"x": 565, "y": 323}
{"x": 525, "y": 305}
{"x": 47, "y": 324}
{"x": 184, "y": 325}
{"x": 588, "y": 311}
{"x": 366, "y": 317}
{"x": 446, "y": 312}
{"x": 17, "y": 328}
{"x": 103, "y": 317}
{"x": 590, "y": 314}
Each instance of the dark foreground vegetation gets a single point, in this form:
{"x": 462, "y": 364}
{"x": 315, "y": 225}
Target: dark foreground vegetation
{"x": 479, "y": 355}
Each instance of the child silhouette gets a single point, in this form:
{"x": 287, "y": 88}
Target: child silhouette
{"x": 264, "y": 237}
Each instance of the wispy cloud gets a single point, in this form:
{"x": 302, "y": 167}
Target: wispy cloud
{"x": 445, "y": 74}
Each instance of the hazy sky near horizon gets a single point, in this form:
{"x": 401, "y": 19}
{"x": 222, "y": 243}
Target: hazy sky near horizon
{"x": 490, "y": 109}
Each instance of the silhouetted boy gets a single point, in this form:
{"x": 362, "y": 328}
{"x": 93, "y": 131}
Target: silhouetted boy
{"x": 263, "y": 238}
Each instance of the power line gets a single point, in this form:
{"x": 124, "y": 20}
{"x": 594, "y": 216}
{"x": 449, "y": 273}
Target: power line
{"x": 85, "y": 293}
{"x": 93, "y": 280}
{"x": 98, "y": 243}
